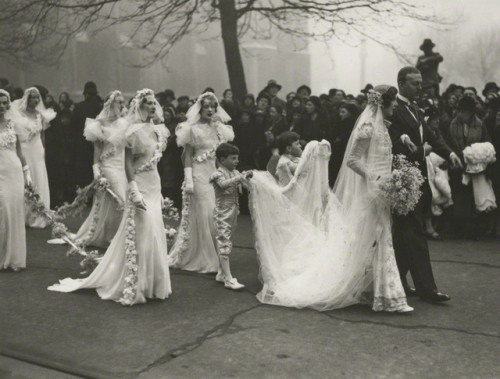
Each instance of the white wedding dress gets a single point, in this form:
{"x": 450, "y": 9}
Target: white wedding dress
{"x": 328, "y": 250}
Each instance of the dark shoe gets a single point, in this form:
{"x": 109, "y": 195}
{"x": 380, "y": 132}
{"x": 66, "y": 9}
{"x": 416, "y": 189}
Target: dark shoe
{"x": 410, "y": 292}
{"x": 435, "y": 297}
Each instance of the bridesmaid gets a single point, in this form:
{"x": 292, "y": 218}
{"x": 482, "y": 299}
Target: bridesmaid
{"x": 30, "y": 119}
{"x": 194, "y": 248}
{"x": 109, "y": 163}
{"x": 135, "y": 266}
{"x": 12, "y": 167}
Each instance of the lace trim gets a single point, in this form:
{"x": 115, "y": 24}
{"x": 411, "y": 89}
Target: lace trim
{"x": 8, "y": 138}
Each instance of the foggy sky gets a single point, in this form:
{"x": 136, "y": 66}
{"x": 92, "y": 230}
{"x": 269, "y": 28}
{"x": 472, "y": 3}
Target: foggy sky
{"x": 338, "y": 65}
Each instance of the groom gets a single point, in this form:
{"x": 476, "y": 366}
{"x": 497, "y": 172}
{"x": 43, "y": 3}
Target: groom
{"x": 411, "y": 137}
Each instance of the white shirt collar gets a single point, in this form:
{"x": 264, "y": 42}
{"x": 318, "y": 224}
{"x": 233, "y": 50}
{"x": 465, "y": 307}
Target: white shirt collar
{"x": 404, "y": 99}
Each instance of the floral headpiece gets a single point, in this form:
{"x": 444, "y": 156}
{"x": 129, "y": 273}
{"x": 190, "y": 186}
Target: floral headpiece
{"x": 208, "y": 95}
{"x": 111, "y": 98}
{"x": 5, "y": 93}
{"x": 374, "y": 97}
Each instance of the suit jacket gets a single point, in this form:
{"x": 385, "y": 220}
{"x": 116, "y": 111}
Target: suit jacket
{"x": 403, "y": 122}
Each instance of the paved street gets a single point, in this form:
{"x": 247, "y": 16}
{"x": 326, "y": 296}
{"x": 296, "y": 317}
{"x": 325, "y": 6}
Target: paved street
{"x": 204, "y": 330}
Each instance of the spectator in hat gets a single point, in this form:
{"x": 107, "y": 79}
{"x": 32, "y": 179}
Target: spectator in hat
{"x": 230, "y": 105}
{"x": 83, "y": 150}
{"x": 264, "y": 102}
{"x": 490, "y": 89}
{"x": 367, "y": 89}
{"x": 182, "y": 104}
{"x": 465, "y": 129}
{"x": 315, "y": 125}
{"x": 304, "y": 92}
{"x": 272, "y": 89}
{"x": 428, "y": 64}
{"x": 169, "y": 97}
{"x": 170, "y": 168}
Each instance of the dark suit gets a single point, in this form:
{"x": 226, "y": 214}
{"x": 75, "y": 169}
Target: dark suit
{"x": 83, "y": 152}
{"x": 410, "y": 243}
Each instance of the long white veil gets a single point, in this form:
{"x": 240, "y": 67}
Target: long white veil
{"x": 193, "y": 114}
{"x": 312, "y": 249}
{"x": 18, "y": 107}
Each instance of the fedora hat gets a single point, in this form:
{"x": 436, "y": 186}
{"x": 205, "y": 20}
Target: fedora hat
{"x": 427, "y": 43}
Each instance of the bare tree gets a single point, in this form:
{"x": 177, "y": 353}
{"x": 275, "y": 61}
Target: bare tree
{"x": 40, "y": 30}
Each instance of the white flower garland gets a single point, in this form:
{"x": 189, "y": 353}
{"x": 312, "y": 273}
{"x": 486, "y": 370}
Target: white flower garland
{"x": 8, "y": 138}
{"x": 160, "y": 146}
{"x": 130, "y": 291}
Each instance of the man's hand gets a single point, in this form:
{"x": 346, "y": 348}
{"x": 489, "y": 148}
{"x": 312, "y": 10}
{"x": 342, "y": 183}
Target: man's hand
{"x": 427, "y": 149}
{"x": 408, "y": 143}
{"x": 455, "y": 161}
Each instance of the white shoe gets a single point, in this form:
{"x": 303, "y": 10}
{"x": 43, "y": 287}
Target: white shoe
{"x": 219, "y": 278}
{"x": 56, "y": 241}
{"x": 233, "y": 284}
{"x": 405, "y": 309}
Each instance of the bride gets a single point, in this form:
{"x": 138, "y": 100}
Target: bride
{"x": 328, "y": 250}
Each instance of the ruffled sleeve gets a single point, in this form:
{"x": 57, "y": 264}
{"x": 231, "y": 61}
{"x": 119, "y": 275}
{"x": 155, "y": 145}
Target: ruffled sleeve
{"x": 135, "y": 139}
{"x": 184, "y": 134}
{"x": 225, "y": 132}
{"x": 93, "y": 131}
{"x": 164, "y": 133}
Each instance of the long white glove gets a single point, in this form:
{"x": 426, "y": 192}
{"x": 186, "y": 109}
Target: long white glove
{"x": 188, "y": 178}
{"x": 97, "y": 171}
{"x": 27, "y": 176}
{"x": 136, "y": 196}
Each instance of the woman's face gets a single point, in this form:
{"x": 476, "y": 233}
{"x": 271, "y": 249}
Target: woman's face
{"x": 310, "y": 107}
{"x": 290, "y": 96}
{"x": 49, "y": 99}
{"x": 63, "y": 98}
{"x": 452, "y": 101}
{"x": 296, "y": 103}
{"x": 208, "y": 109}
{"x": 263, "y": 103}
{"x": 248, "y": 102}
{"x": 228, "y": 95}
{"x": 273, "y": 112}
{"x": 388, "y": 111}
{"x": 148, "y": 106}
{"x": 120, "y": 104}
{"x": 4, "y": 104}
{"x": 33, "y": 100}
{"x": 167, "y": 116}
{"x": 245, "y": 118}
{"x": 344, "y": 113}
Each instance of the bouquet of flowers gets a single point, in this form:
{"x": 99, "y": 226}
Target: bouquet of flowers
{"x": 170, "y": 212}
{"x": 477, "y": 157}
{"x": 401, "y": 191}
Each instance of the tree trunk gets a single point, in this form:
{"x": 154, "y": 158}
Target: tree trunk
{"x": 234, "y": 63}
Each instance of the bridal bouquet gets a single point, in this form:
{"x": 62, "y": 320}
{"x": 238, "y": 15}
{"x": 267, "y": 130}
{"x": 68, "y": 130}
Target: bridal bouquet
{"x": 401, "y": 191}
{"x": 477, "y": 157}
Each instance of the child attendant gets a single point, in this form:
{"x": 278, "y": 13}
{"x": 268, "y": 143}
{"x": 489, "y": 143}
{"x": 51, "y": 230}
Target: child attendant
{"x": 290, "y": 150}
{"x": 226, "y": 181}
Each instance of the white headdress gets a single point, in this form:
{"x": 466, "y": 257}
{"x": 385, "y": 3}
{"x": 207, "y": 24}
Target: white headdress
{"x": 135, "y": 114}
{"x": 110, "y": 108}
{"x": 5, "y": 93}
{"x": 193, "y": 114}
{"x": 22, "y": 104}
